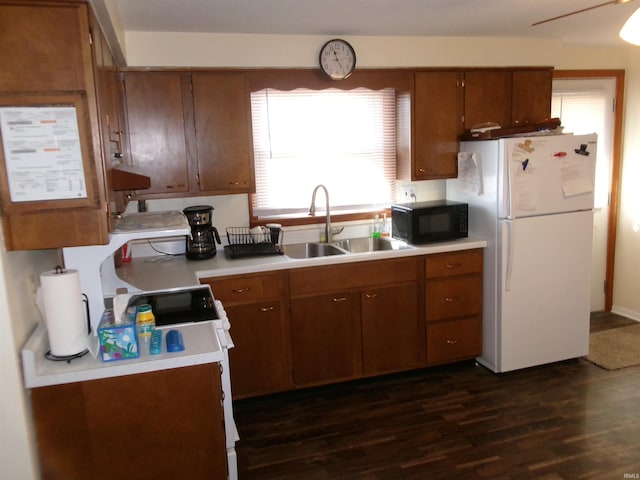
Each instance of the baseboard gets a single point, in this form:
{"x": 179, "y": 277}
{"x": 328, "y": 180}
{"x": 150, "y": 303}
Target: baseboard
{"x": 625, "y": 312}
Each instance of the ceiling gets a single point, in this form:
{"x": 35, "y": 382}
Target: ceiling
{"x": 475, "y": 18}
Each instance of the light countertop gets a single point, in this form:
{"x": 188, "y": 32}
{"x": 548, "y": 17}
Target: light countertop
{"x": 166, "y": 272}
{"x": 202, "y": 345}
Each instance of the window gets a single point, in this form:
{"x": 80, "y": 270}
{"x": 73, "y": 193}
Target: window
{"x": 587, "y": 108}
{"x": 345, "y": 140}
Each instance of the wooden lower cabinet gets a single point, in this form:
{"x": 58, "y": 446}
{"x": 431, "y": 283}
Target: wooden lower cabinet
{"x": 257, "y": 307}
{"x": 317, "y": 325}
{"x": 162, "y": 424}
{"x": 453, "y": 306}
{"x": 325, "y": 338}
{"x": 259, "y": 361}
{"x": 454, "y": 340}
{"x": 391, "y": 329}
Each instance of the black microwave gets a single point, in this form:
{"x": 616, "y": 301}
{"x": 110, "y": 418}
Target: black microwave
{"x": 425, "y": 222}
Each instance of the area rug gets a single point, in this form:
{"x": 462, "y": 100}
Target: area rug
{"x": 615, "y": 348}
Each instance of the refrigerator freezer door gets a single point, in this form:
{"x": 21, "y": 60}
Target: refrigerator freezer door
{"x": 543, "y": 314}
{"x": 547, "y": 174}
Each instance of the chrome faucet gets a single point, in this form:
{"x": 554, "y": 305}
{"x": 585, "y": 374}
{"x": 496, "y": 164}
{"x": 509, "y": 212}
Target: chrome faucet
{"x": 312, "y": 211}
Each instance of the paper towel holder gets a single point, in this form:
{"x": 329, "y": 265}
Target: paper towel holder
{"x": 59, "y": 270}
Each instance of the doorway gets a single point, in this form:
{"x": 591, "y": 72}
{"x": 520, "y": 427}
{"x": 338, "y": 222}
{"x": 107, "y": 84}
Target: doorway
{"x": 588, "y": 103}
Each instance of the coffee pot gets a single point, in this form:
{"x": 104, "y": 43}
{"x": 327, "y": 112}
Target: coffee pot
{"x": 201, "y": 244}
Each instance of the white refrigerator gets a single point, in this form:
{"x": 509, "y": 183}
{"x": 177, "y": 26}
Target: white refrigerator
{"x": 531, "y": 198}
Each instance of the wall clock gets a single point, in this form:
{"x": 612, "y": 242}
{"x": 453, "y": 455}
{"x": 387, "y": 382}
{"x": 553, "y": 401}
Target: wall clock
{"x": 337, "y": 59}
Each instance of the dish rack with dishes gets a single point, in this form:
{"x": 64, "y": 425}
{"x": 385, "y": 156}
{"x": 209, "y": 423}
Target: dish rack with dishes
{"x": 246, "y": 241}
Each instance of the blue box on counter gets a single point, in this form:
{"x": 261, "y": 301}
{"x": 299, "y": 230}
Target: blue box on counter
{"x": 118, "y": 341}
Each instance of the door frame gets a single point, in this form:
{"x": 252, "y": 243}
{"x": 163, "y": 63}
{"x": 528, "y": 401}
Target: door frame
{"x": 616, "y": 155}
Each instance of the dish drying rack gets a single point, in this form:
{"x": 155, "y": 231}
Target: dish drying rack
{"x": 244, "y": 243}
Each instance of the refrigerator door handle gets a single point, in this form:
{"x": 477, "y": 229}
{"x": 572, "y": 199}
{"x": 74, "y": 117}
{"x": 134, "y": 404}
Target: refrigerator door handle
{"x": 511, "y": 247}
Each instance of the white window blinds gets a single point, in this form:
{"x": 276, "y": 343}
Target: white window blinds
{"x": 345, "y": 140}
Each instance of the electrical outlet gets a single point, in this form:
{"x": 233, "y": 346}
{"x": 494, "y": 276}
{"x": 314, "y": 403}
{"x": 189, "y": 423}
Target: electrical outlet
{"x": 408, "y": 193}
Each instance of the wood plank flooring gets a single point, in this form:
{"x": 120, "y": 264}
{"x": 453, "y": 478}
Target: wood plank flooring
{"x": 569, "y": 420}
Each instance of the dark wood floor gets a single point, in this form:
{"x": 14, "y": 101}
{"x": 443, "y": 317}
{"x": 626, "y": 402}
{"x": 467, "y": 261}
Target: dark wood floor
{"x": 569, "y": 420}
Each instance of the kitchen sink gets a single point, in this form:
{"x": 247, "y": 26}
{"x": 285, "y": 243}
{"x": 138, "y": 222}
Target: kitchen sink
{"x": 311, "y": 250}
{"x": 341, "y": 247}
{"x": 371, "y": 244}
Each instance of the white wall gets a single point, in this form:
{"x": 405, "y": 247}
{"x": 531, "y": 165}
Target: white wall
{"x": 234, "y": 50}
{"x": 19, "y": 272}
{"x": 626, "y": 290}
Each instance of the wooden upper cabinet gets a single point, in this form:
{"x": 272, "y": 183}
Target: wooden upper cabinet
{"x": 109, "y": 108}
{"x": 46, "y": 58}
{"x": 509, "y": 97}
{"x": 190, "y": 132}
{"x": 156, "y": 129}
{"x": 531, "y": 100}
{"x": 44, "y": 48}
{"x": 223, "y": 132}
{"x": 437, "y": 125}
{"x": 487, "y": 97}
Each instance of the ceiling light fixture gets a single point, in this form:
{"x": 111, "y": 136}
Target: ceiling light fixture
{"x": 630, "y": 31}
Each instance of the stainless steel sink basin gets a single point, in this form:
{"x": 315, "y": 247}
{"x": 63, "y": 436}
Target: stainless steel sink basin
{"x": 370, "y": 244}
{"x": 311, "y": 250}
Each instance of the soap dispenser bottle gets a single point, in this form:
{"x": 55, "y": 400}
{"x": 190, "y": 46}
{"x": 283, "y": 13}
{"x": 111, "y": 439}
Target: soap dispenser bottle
{"x": 385, "y": 231}
{"x": 377, "y": 228}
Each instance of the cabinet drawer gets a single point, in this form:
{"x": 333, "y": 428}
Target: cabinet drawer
{"x": 451, "y": 264}
{"x": 454, "y": 340}
{"x": 455, "y": 297}
{"x": 246, "y": 288}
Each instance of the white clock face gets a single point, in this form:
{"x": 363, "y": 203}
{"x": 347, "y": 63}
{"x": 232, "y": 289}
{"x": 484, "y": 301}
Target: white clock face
{"x": 337, "y": 59}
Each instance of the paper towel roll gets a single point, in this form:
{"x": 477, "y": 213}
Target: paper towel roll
{"x": 64, "y": 312}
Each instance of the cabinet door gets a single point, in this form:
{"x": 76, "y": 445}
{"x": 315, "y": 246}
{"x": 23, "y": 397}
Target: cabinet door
{"x": 45, "y": 48}
{"x": 531, "y": 96}
{"x": 46, "y": 60}
{"x": 260, "y": 360}
{"x": 437, "y": 125}
{"x": 156, "y": 129}
{"x": 325, "y": 337}
{"x": 223, "y": 132}
{"x": 487, "y": 97}
{"x": 391, "y": 330}
{"x": 162, "y": 424}
{"x": 109, "y": 108}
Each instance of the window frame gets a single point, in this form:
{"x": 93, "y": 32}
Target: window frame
{"x": 290, "y": 79}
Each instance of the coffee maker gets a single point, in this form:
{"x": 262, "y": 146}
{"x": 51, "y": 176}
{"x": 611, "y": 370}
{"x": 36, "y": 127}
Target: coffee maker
{"x": 201, "y": 242}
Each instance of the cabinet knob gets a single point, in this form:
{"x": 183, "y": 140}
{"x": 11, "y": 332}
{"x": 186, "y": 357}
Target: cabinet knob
{"x": 267, "y": 309}
{"x": 451, "y": 266}
{"x": 241, "y": 290}
{"x": 370, "y": 295}
{"x": 452, "y": 342}
{"x": 451, "y": 299}
{"x": 339, "y": 299}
